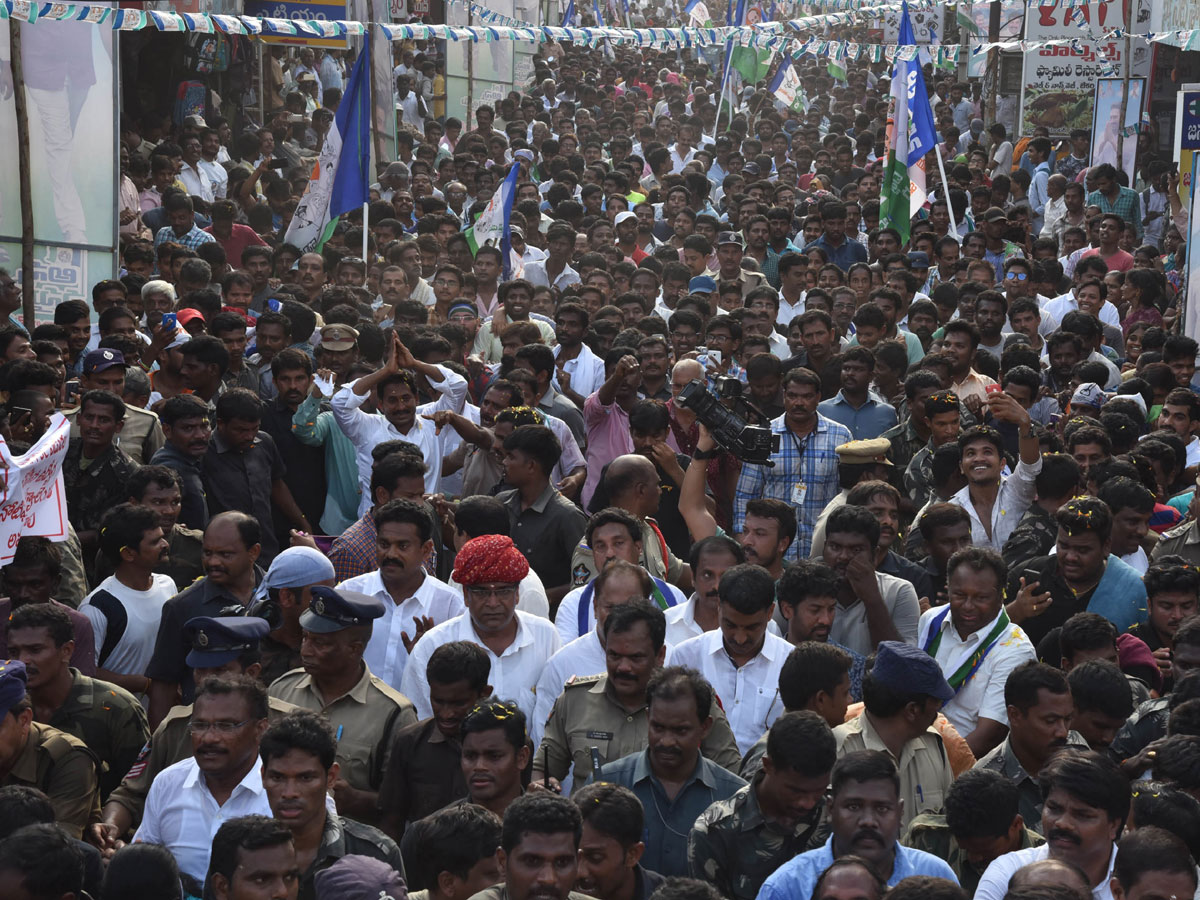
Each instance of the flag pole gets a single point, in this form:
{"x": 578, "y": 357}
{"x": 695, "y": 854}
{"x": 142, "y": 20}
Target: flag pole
{"x": 367, "y": 261}
{"x": 946, "y": 191}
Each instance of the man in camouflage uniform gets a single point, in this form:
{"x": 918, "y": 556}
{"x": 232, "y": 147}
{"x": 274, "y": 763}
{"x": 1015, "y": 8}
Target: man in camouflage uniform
{"x": 943, "y": 422}
{"x": 608, "y": 714}
{"x": 737, "y": 843}
{"x": 979, "y": 822}
{"x": 1037, "y": 531}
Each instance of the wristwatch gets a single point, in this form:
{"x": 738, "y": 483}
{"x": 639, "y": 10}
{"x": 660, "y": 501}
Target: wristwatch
{"x": 705, "y": 454}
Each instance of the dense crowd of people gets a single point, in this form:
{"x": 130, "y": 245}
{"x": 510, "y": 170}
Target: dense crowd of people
{"x": 427, "y": 574}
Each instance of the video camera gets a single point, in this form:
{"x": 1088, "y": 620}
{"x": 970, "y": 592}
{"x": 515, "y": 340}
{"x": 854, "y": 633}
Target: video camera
{"x": 731, "y": 425}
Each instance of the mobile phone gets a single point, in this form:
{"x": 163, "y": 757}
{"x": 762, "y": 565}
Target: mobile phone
{"x": 279, "y": 163}
{"x": 993, "y": 389}
{"x": 715, "y": 356}
{"x": 170, "y": 321}
{"x": 1032, "y": 576}
{"x": 20, "y": 412}
{"x": 274, "y": 305}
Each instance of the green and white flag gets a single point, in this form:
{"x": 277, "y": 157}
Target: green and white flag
{"x": 787, "y": 87}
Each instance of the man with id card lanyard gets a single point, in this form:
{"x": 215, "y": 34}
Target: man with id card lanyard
{"x": 805, "y": 474}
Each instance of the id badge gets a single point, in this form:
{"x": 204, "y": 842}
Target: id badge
{"x": 799, "y": 490}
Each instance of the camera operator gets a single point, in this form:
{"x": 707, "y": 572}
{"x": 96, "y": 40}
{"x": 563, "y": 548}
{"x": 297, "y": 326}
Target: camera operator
{"x": 805, "y": 470}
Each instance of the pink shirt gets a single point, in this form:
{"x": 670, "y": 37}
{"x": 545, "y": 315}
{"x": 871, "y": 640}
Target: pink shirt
{"x": 1120, "y": 261}
{"x": 608, "y": 437}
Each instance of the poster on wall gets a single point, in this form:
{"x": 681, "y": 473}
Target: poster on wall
{"x": 1105, "y": 127}
{"x": 1012, "y": 17}
{"x": 70, "y": 87}
{"x": 1059, "y": 83}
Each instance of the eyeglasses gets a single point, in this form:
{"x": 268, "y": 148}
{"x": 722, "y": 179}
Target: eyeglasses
{"x": 499, "y": 591}
{"x": 1016, "y": 276}
{"x": 200, "y": 727}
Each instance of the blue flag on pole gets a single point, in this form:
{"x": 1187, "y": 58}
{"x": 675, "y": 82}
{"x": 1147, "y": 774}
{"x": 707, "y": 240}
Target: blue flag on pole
{"x": 568, "y": 16}
{"x": 596, "y": 10}
{"x": 341, "y": 178}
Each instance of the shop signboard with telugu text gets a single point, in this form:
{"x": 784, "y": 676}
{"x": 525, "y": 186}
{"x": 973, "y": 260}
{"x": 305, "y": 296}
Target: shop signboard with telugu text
{"x": 1059, "y": 84}
{"x": 320, "y": 10}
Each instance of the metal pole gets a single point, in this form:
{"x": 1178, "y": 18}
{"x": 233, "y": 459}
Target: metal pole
{"x": 262, "y": 84}
{"x": 470, "y": 74}
{"x": 21, "y": 103}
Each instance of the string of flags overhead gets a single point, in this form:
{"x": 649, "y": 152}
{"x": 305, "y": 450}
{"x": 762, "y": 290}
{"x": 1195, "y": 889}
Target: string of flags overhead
{"x": 781, "y": 36}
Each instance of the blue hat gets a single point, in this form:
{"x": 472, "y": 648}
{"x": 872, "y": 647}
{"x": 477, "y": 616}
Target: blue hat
{"x": 332, "y": 610}
{"x": 12, "y": 684}
{"x": 897, "y": 663}
{"x": 704, "y": 284}
{"x": 919, "y": 259}
{"x": 99, "y": 360}
{"x": 221, "y": 640}
{"x": 296, "y": 567}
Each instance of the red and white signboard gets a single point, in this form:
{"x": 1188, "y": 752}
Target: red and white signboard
{"x": 33, "y": 501}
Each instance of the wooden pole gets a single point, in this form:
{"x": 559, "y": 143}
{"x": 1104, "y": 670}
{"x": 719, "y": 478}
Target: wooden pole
{"x": 20, "y": 101}
{"x": 993, "y": 63}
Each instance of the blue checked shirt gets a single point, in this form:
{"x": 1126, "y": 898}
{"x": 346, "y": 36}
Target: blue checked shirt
{"x": 816, "y": 468}
{"x": 191, "y": 240}
{"x": 1127, "y": 205}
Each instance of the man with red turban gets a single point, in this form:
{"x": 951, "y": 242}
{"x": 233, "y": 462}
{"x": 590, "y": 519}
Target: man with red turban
{"x": 489, "y": 568}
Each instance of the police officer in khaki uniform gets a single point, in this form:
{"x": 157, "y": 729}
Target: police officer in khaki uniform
{"x": 365, "y": 712}
{"x": 35, "y": 755}
{"x": 227, "y": 645}
{"x": 601, "y": 718}
{"x": 141, "y": 436}
{"x": 731, "y": 249}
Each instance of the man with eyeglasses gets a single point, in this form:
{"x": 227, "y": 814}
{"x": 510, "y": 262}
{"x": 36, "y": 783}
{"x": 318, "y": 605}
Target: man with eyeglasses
{"x": 335, "y": 681}
{"x": 221, "y": 779}
{"x": 518, "y": 644}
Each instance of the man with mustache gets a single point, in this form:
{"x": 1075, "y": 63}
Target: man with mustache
{"x": 737, "y": 843}
{"x": 292, "y": 374}
{"x": 231, "y": 574}
{"x": 865, "y": 810}
{"x": 608, "y": 712}
{"x": 976, "y": 646}
{"x": 709, "y": 560}
{"x": 539, "y": 850}
{"x": 221, "y": 779}
{"x": 1086, "y": 805}
{"x": 882, "y": 500}
{"x": 680, "y": 704}
{"x": 741, "y": 659}
{"x": 1037, "y": 701}
{"x": 336, "y": 681}
{"x": 413, "y": 600}
{"x": 298, "y": 767}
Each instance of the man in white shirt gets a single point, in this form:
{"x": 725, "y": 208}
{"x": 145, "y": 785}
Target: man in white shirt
{"x": 613, "y": 535}
{"x": 413, "y": 601}
{"x": 210, "y": 163}
{"x": 995, "y": 502}
{"x": 222, "y": 780}
{"x": 741, "y": 659}
{"x": 683, "y": 151}
{"x": 518, "y": 645}
{"x": 584, "y": 369}
{"x": 399, "y": 416}
{"x": 194, "y": 178}
{"x": 976, "y": 646}
{"x": 1087, "y": 802}
{"x": 710, "y": 559}
{"x": 125, "y": 609}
